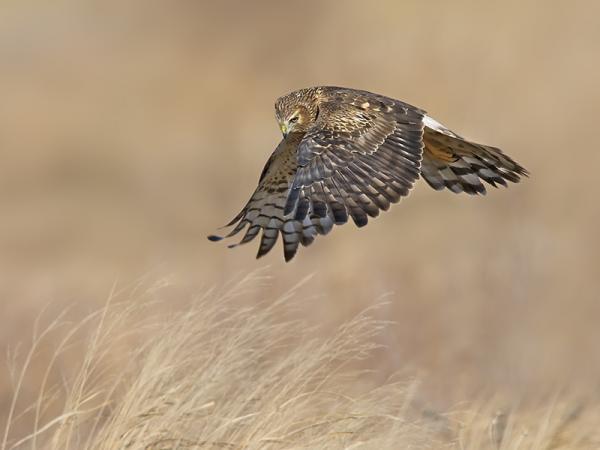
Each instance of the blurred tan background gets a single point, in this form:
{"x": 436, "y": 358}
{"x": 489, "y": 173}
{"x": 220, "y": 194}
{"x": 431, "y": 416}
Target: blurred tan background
{"x": 129, "y": 130}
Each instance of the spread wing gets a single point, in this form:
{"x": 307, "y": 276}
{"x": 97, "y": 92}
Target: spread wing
{"x": 452, "y": 162}
{"x": 264, "y": 210}
{"x": 362, "y": 154}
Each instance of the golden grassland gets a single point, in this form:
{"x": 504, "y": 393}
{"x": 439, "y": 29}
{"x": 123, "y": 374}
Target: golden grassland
{"x": 222, "y": 375}
{"x": 131, "y": 130}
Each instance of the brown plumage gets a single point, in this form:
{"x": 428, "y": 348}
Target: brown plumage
{"x": 349, "y": 154}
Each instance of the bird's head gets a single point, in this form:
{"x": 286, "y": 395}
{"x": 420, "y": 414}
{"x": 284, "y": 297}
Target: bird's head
{"x": 295, "y": 113}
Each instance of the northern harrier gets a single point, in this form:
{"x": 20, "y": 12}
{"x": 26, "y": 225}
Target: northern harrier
{"x": 350, "y": 153}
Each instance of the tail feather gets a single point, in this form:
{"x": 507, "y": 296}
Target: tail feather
{"x": 452, "y": 162}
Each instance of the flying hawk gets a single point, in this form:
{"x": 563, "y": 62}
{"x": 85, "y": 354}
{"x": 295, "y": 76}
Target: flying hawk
{"x": 348, "y": 153}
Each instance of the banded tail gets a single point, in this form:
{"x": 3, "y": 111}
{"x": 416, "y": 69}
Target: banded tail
{"x": 452, "y": 162}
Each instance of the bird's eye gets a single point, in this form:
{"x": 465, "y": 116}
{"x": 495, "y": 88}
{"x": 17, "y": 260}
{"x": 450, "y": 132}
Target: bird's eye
{"x": 293, "y": 119}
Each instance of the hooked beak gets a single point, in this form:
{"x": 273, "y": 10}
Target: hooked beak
{"x": 284, "y": 129}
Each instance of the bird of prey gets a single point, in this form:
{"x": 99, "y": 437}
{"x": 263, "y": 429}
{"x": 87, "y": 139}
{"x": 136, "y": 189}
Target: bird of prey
{"x": 348, "y": 153}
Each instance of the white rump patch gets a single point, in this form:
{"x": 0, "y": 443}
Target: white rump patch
{"x": 435, "y": 125}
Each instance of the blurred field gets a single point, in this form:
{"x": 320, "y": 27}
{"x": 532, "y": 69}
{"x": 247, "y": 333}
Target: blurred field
{"x": 131, "y": 130}
{"x": 215, "y": 375}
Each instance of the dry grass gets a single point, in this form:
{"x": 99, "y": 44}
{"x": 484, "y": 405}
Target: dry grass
{"x": 219, "y": 375}
{"x": 224, "y": 375}
{"x": 131, "y": 129}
